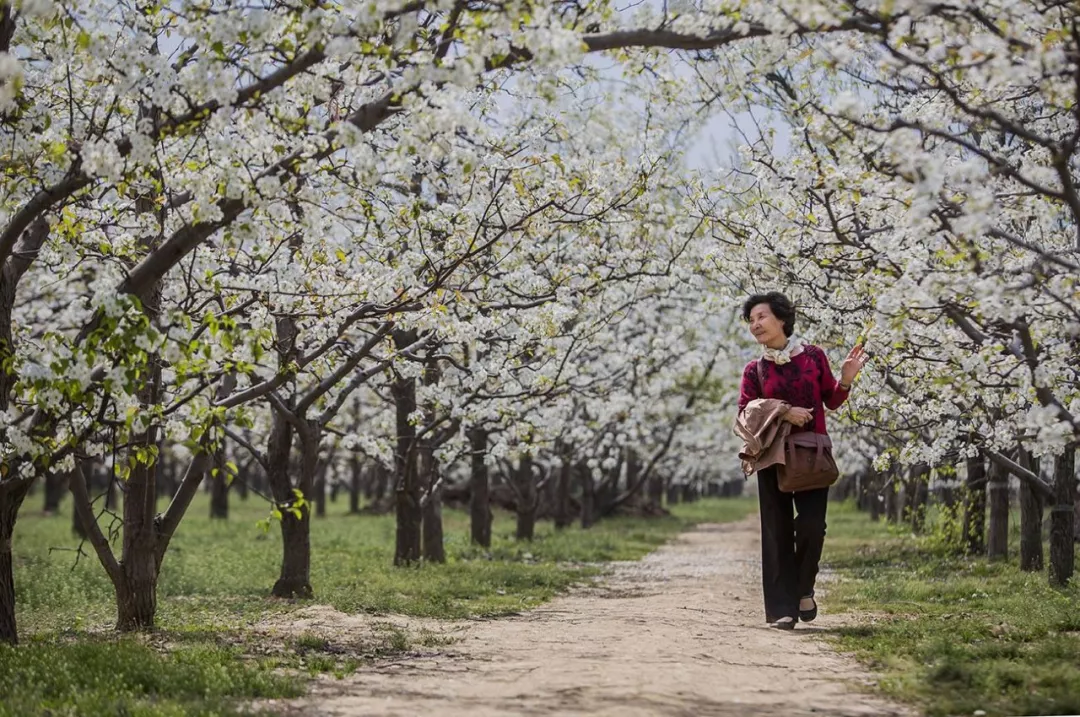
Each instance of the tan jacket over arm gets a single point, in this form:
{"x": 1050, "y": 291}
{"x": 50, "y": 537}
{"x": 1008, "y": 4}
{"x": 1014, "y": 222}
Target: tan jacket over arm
{"x": 762, "y": 430}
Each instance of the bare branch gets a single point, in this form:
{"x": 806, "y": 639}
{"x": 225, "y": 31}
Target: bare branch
{"x": 1022, "y": 473}
{"x": 259, "y": 457}
{"x": 168, "y": 521}
{"x": 85, "y": 510}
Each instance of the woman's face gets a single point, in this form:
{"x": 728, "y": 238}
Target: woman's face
{"x": 766, "y": 328}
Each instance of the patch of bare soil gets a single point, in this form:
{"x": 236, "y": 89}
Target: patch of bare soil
{"x": 678, "y": 633}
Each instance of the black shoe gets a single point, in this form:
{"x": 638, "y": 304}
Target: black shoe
{"x": 784, "y": 623}
{"x": 809, "y": 615}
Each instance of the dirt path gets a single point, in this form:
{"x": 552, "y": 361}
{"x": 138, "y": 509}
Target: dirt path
{"x": 678, "y": 633}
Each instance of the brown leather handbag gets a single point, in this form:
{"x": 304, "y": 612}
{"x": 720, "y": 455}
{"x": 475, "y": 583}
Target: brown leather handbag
{"x": 808, "y": 458}
{"x": 808, "y": 463}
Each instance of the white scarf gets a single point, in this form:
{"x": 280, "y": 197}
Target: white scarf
{"x": 791, "y": 349}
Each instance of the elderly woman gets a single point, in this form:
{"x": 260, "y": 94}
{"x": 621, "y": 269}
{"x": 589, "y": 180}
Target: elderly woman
{"x": 797, "y": 373}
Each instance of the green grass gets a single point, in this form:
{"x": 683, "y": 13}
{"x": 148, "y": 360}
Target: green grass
{"x": 214, "y": 587}
{"x": 949, "y": 633}
{"x": 120, "y": 676}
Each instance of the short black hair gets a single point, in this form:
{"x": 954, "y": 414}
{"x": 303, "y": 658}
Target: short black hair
{"x": 780, "y": 305}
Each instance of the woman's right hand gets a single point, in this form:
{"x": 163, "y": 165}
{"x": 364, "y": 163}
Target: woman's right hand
{"x": 799, "y": 416}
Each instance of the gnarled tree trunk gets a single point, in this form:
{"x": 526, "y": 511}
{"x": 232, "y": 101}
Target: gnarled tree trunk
{"x": 136, "y": 582}
{"x": 527, "y": 498}
{"x": 318, "y": 490}
{"x": 432, "y": 526}
{"x": 633, "y": 475}
{"x": 1062, "y": 547}
{"x": 136, "y": 588}
{"x": 219, "y": 491}
{"x": 479, "y": 488}
{"x": 12, "y": 494}
{"x": 920, "y": 493}
{"x": 872, "y": 493}
{"x": 13, "y": 487}
{"x": 55, "y": 485}
{"x": 562, "y": 491}
{"x": 220, "y": 480}
{"x": 974, "y": 532}
{"x": 407, "y": 491}
{"x": 588, "y": 495}
{"x": 891, "y": 491}
{"x": 432, "y": 539}
{"x": 997, "y": 538}
{"x": 294, "y": 580}
{"x": 295, "y": 577}
{"x": 1031, "y": 520}
{"x": 355, "y": 480}
{"x": 380, "y": 482}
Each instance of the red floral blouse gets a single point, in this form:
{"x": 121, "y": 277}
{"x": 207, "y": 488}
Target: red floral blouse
{"x": 806, "y": 382}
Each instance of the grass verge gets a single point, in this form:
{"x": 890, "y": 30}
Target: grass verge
{"x": 953, "y": 634}
{"x": 209, "y": 655}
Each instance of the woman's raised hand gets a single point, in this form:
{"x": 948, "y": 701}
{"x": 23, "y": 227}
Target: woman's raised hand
{"x": 854, "y": 363}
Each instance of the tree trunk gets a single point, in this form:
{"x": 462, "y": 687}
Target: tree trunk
{"x": 136, "y": 586}
{"x": 654, "y": 488}
{"x": 407, "y": 486}
{"x": 12, "y": 494}
{"x": 526, "y": 504}
{"x": 8, "y": 630}
{"x": 110, "y": 491}
{"x": 167, "y": 481}
{"x": 434, "y": 550}
{"x": 319, "y": 490}
{"x": 1031, "y": 520}
{"x": 13, "y": 488}
{"x": 220, "y": 480}
{"x": 54, "y": 488}
{"x": 562, "y": 492}
{"x": 904, "y": 499}
{"x": 249, "y": 478}
{"x": 947, "y": 492}
{"x": 381, "y": 479}
{"x": 674, "y": 493}
{"x": 1076, "y": 513}
{"x": 219, "y": 491}
{"x": 1062, "y": 547}
{"x": 368, "y": 479}
{"x": 633, "y": 474}
{"x": 588, "y": 495}
{"x": 997, "y": 539}
{"x": 77, "y": 527}
{"x": 295, "y": 577}
{"x": 136, "y": 580}
{"x": 974, "y": 532}
{"x": 479, "y": 489}
{"x": 920, "y": 493}
{"x": 873, "y": 487}
{"x": 891, "y": 492}
{"x": 136, "y": 583}
{"x": 294, "y": 580}
{"x": 354, "y": 484}
{"x": 432, "y": 526}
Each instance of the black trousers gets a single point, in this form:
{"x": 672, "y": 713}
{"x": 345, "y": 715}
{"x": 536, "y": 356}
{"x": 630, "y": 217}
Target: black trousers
{"x": 790, "y": 544}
